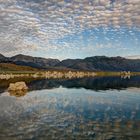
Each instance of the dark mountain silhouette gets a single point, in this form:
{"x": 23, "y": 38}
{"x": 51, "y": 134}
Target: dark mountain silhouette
{"x": 95, "y": 63}
{"x": 3, "y": 58}
{"x": 36, "y": 62}
{"x": 102, "y": 63}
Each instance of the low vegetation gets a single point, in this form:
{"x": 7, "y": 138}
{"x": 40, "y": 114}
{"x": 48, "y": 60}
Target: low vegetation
{"x": 48, "y": 74}
{"x": 102, "y": 73}
{"x": 7, "y": 67}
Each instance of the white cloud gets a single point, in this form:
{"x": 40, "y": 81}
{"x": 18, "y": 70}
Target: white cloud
{"x": 49, "y": 20}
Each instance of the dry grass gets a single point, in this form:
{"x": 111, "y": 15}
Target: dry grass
{"x": 102, "y": 73}
{"x": 5, "y": 67}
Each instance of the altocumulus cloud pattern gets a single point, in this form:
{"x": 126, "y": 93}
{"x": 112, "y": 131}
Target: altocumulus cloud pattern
{"x": 52, "y": 28}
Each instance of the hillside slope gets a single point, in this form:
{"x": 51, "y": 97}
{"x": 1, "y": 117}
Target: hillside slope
{"x": 36, "y": 62}
{"x": 13, "y": 67}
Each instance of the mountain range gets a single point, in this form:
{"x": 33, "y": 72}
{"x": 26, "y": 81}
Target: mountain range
{"x": 95, "y": 63}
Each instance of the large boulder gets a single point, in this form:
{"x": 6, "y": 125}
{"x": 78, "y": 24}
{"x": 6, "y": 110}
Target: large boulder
{"x": 18, "y": 86}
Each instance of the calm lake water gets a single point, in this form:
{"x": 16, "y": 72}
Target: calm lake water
{"x": 100, "y": 108}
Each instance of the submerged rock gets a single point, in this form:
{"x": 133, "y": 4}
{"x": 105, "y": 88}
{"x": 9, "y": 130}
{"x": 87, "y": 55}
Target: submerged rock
{"x": 18, "y": 86}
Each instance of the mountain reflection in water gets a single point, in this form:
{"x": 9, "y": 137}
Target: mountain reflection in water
{"x": 96, "y": 83}
{"x": 65, "y": 109}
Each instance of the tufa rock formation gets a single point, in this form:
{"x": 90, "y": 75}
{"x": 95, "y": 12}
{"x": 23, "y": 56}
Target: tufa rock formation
{"x": 18, "y": 86}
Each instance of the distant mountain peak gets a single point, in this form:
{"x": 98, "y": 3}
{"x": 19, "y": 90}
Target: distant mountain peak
{"x": 21, "y": 56}
{"x": 37, "y": 62}
{"x": 1, "y": 56}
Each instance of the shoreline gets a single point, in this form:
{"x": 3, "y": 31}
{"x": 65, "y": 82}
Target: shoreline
{"x": 61, "y": 74}
{"x": 47, "y": 74}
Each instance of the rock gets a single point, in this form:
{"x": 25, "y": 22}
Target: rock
{"x": 18, "y": 86}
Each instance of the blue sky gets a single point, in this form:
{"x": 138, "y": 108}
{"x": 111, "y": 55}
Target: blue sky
{"x": 70, "y": 28}
{"x": 100, "y": 41}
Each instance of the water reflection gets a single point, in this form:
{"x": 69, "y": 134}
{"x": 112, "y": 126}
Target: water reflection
{"x": 18, "y": 93}
{"x": 96, "y": 83}
{"x": 65, "y": 109}
{"x": 71, "y": 114}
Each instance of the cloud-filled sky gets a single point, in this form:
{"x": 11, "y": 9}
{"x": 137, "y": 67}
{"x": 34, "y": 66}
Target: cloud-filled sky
{"x": 70, "y": 28}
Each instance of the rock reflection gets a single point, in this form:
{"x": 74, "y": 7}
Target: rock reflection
{"x": 18, "y": 93}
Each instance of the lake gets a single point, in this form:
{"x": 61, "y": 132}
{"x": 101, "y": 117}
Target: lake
{"x": 100, "y": 108}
